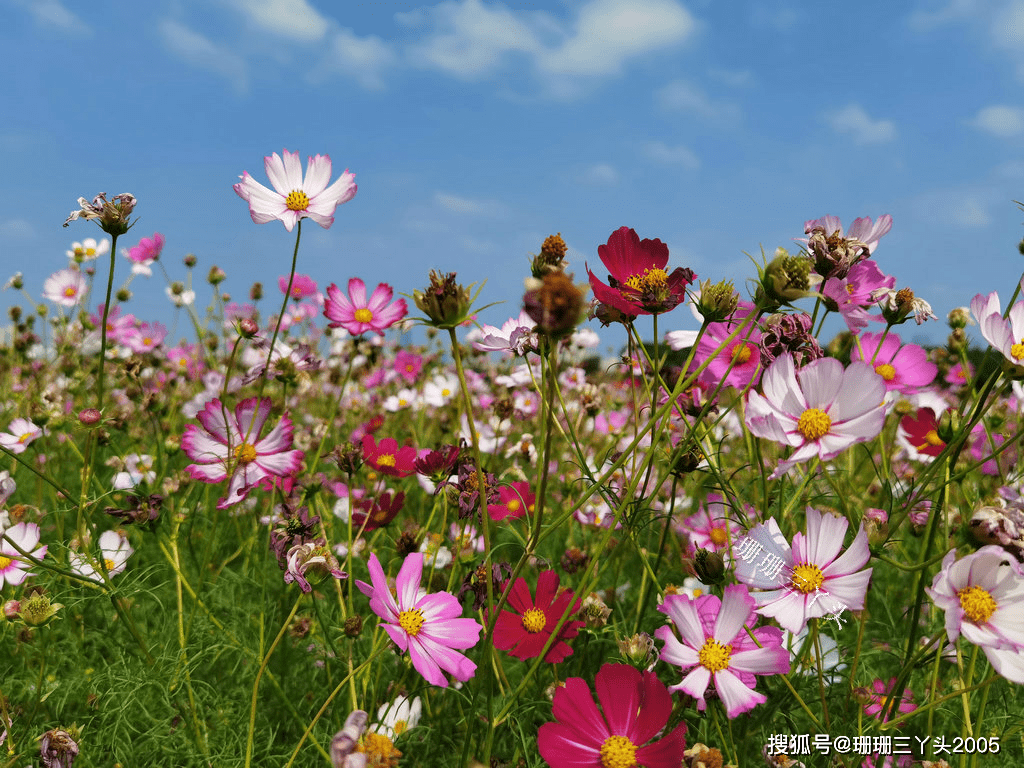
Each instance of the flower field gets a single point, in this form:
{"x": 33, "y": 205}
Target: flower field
{"x": 299, "y": 539}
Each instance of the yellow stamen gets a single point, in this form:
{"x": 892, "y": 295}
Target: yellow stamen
{"x": 886, "y": 371}
{"x": 297, "y": 200}
{"x": 534, "y": 621}
{"x": 814, "y": 423}
{"x": 5, "y": 563}
{"x": 363, "y": 315}
{"x": 1017, "y": 351}
{"x": 513, "y": 505}
{"x": 807, "y": 578}
{"x": 977, "y": 603}
{"x": 741, "y": 353}
{"x": 411, "y": 621}
{"x": 649, "y": 279}
{"x": 70, "y": 291}
{"x": 386, "y": 460}
{"x": 719, "y": 536}
{"x": 618, "y": 752}
{"x": 714, "y": 656}
{"x": 245, "y": 453}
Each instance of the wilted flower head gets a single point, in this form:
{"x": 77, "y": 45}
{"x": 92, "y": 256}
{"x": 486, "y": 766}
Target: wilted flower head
{"x": 555, "y": 304}
{"x": 445, "y": 302}
{"x": 717, "y": 301}
{"x": 37, "y": 609}
{"x": 112, "y": 215}
{"x": 344, "y": 742}
{"x": 311, "y": 562}
{"x": 791, "y": 333}
{"x": 1001, "y": 525}
{"x": 898, "y": 306}
{"x": 57, "y": 749}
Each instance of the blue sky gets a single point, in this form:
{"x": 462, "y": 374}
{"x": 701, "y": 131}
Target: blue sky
{"x": 476, "y": 128}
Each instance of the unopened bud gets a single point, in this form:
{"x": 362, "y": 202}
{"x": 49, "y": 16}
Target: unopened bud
{"x": 353, "y": 626}
{"x": 717, "y": 300}
{"x": 89, "y": 416}
{"x": 256, "y": 292}
{"x": 11, "y": 609}
{"x": 247, "y": 327}
{"x": 14, "y": 313}
{"x": 960, "y": 317}
{"x": 638, "y": 650}
{"x": 709, "y": 566}
{"x": 216, "y": 276}
{"x": 190, "y": 260}
{"x": 949, "y": 425}
{"x": 123, "y": 294}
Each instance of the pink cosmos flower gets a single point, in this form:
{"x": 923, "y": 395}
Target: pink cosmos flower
{"x": 880, "y": 700}
{"x": 637, "y": 281}
{"x": 741, "y": 357}
{"x": 711, "y": 528}
{"x": 65, "y": 287}
{"x": 408, "y": 365}
{"x": 427, "y": 626}
{"x": 809, "y": 580}
{"x": 983, "y": 597}
{"x": 821, "y": 410}
{"x": 21, "y": 433}
{"x": 230, "y": 446}
{"x": 716, "y": 648}
{"x": 148, "y": 337}
{"x": 515, "y": 337}
{"x": 356, "y": 314}
{"x": 904, "y": 368}
{"x": 292, "y": 197}
{"x": 851, "y": 295}
{"x": 958, "y": 376}
{"x": 14, "y": 569}
{"x": 302, "y": 286}
{"x": 145, "y": 253}
{"x": 635, "y": 707}
{"x": 862, "y": 229}
{"x": 516, "y": 501}
{"x": 1005, "y": 335}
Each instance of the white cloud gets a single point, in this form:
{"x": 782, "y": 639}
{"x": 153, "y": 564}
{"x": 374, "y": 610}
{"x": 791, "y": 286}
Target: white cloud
{"x": 735, "y": 78}
{"x": 204, "y": 54}
{"x": 51, "y": 13}
{"x": 954, "y": 10}
{"x": 608, "y": 32}
{"x": 781, "y": 18}
{"x": 457, "y": 204}
{"x": 684, "y": 96}
{"x": 679, "y": 155}
{"x": 470, "y": 39}
{"x": 600, "y": 174}
{"x": 1007, "y": 31}
{"x": 970, "y": 213}
{"x": 296, "y": 19}
{"x": 363, "y": 59}
{"x": 17, "y": 228}
{"x": 855, "y": 122}
{"x": 1000, "y": 120}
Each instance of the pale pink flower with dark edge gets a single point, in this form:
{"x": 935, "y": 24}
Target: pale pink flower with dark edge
{"x": 356, "y": 314}
{"x": 821, "y": 410}
{"x": 715, "y": 648}
{"x": 428, "y": 626}
{"x": 635, "y": 707}
{"x": 811, "y": 579}
{"x": 1005, "y": 335}
{"x": 983, "y": 597}
{"x": 292, "y": 197}
{"x": 13, "y": 567}
{"x": 230, "y": 445}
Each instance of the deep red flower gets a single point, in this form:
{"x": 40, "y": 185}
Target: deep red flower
{"x": 377, "y": 512}
{"x": 524, "y": 633}
{"x": 387, "y": 458}
{"x": 638, "y": 282}
{"x": 922, "y": 432}
{"x": 635, "y": 708}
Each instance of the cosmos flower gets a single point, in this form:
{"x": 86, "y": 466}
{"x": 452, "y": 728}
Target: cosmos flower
{"x": 88, "y": 250}
{"x": 738, "y": 364}
{"x": 880, "y": 698}
{"x": 65, "y": 287}
{"x": 524, "y": 633}
{"x": 921, "y": 433}
{"x": 809, "y": 580}
{"x": 637, "y": 281}
{"x": 983, "y": 597}
{"x": 904, "y": 368}
{"x": 229, "y": 445}
{"x": 20, "y": 435}
{"x": 293, "y": 197}
{"x": 426, "y": 625}
{"x": 851, "y": 295}
{"x": 303, "y": 286}
{"x": 115, "y": 550}
{"x": 396, "y": 717}
{"x": 714, "y": 648}
{"x": 821, "y": 410}
{"x": 516, "y": 501}
{"x": 635, "y": 707}
{"x": 515, "y": 337}
{"x": 145, "y": 253}
{"x": 356, "y": 314}
{"x": 387, "y": 458}
{"x": 1005, "y": 335}
{"x": 13, "y": 569}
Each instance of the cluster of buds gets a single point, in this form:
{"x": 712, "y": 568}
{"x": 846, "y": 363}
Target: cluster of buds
{"x": 783, "y": 333}
{"x": 112, "y": 215}
{"x": 784, "y": 279}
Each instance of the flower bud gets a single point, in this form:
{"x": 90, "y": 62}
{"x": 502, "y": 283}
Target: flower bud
{"x": 638, "y": 650}
{"x": 959, "y": 318}
{"x": 717, "y": 300}
{"x": 556, "y": 306}
{"x": 876, "y": 525}
{"x": 247, "y": 327}
{"x": 190, "y": 260}
{"x": 949, "y": 425}
{"x": 785, "y": 279}
{"x": 353, "y": 626}
{"x": 89, "y": 416}
{"x": 256, "y": 292}
{"x": 574, "y": 559}
{"x": 11, "y": 609}
{"x": 445, "y": 302}
{"x": 594, "y": 610}
{"x": 123, "y": 294}
{"x": 14, "y": 313}
{"x": 215, "y": 276}
{"x": 709, "y": 566}
{"x": 17, "y": 282}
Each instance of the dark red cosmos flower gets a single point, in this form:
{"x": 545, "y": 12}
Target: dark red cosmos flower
{"x": 922, "y": 432}
{"x": 523, "y": 634}
{"x": 638, "y": 282}
{"x": 377, "y": 512}
{"x": 387, "y": 458}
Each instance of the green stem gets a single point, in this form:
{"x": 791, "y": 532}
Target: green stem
{"x": 103, "y": 324}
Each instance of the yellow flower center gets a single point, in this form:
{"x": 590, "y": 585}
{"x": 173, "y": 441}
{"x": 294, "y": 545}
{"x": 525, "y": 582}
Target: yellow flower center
{"x": 714, "y": 656}
{"x": 807, "y": 577}
{"x": 513, "y": 505}
{"x": 401, "y": 726}
{"x": 5, "y": 563}
{"x": 147, "y": 340}
{"x": 446, "y": 392}
{"x": 534, "y": 621}
{"x": 1017, "y": 350}
{"x": 618, "y": 752}
{"x": 411, "y": 621}
{"x": 931, "y": 438}
{"x": 648, "y": 280}
{"x": 297, "y": 200}
{"x": 70, "y": 291}
{"x": 109, "y": 564}
{"x": 245, "y": 453}
{"x": 364, "y": 315}
{"x": 379, "y": 750}
{"x": 719, "y": 536}
{"x": 741, "y": 353}
{"x": 90, "y": 251}
{"x": 24, "y": 437}
{"x": 977, "y": 603}
{"x": 814, "y": 423}
{"x": 387, "y": 460}
{"x": 886, "y": 371}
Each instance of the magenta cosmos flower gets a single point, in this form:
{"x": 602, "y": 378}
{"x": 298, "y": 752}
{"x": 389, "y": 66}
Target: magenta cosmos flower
{"x": 427, "y": 626}
{"x": 879, "y": 700}
{"x": 637, "y": 281}
{"x": 739, "y": 363}
{"x": 357, "y": 315}
{"x": 387, "y": 458}
{"x": 14, "y": 569}
{"x": 1004, "y": 334}
{"x": 292, "y": 197}
{"x": 851, "y": 295}
{"x": 524, "y": 633}
{"x": 983, "y": 597}
{"x": 821, "y": 410}
{"x": 303, "y": 286}
{"x": 230, "y": 445}
{"x": 809, "y": 580}
{"x": 904, "y": 368}
{"x": 715, "y": 647}
{"x": 635, "y": 707}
